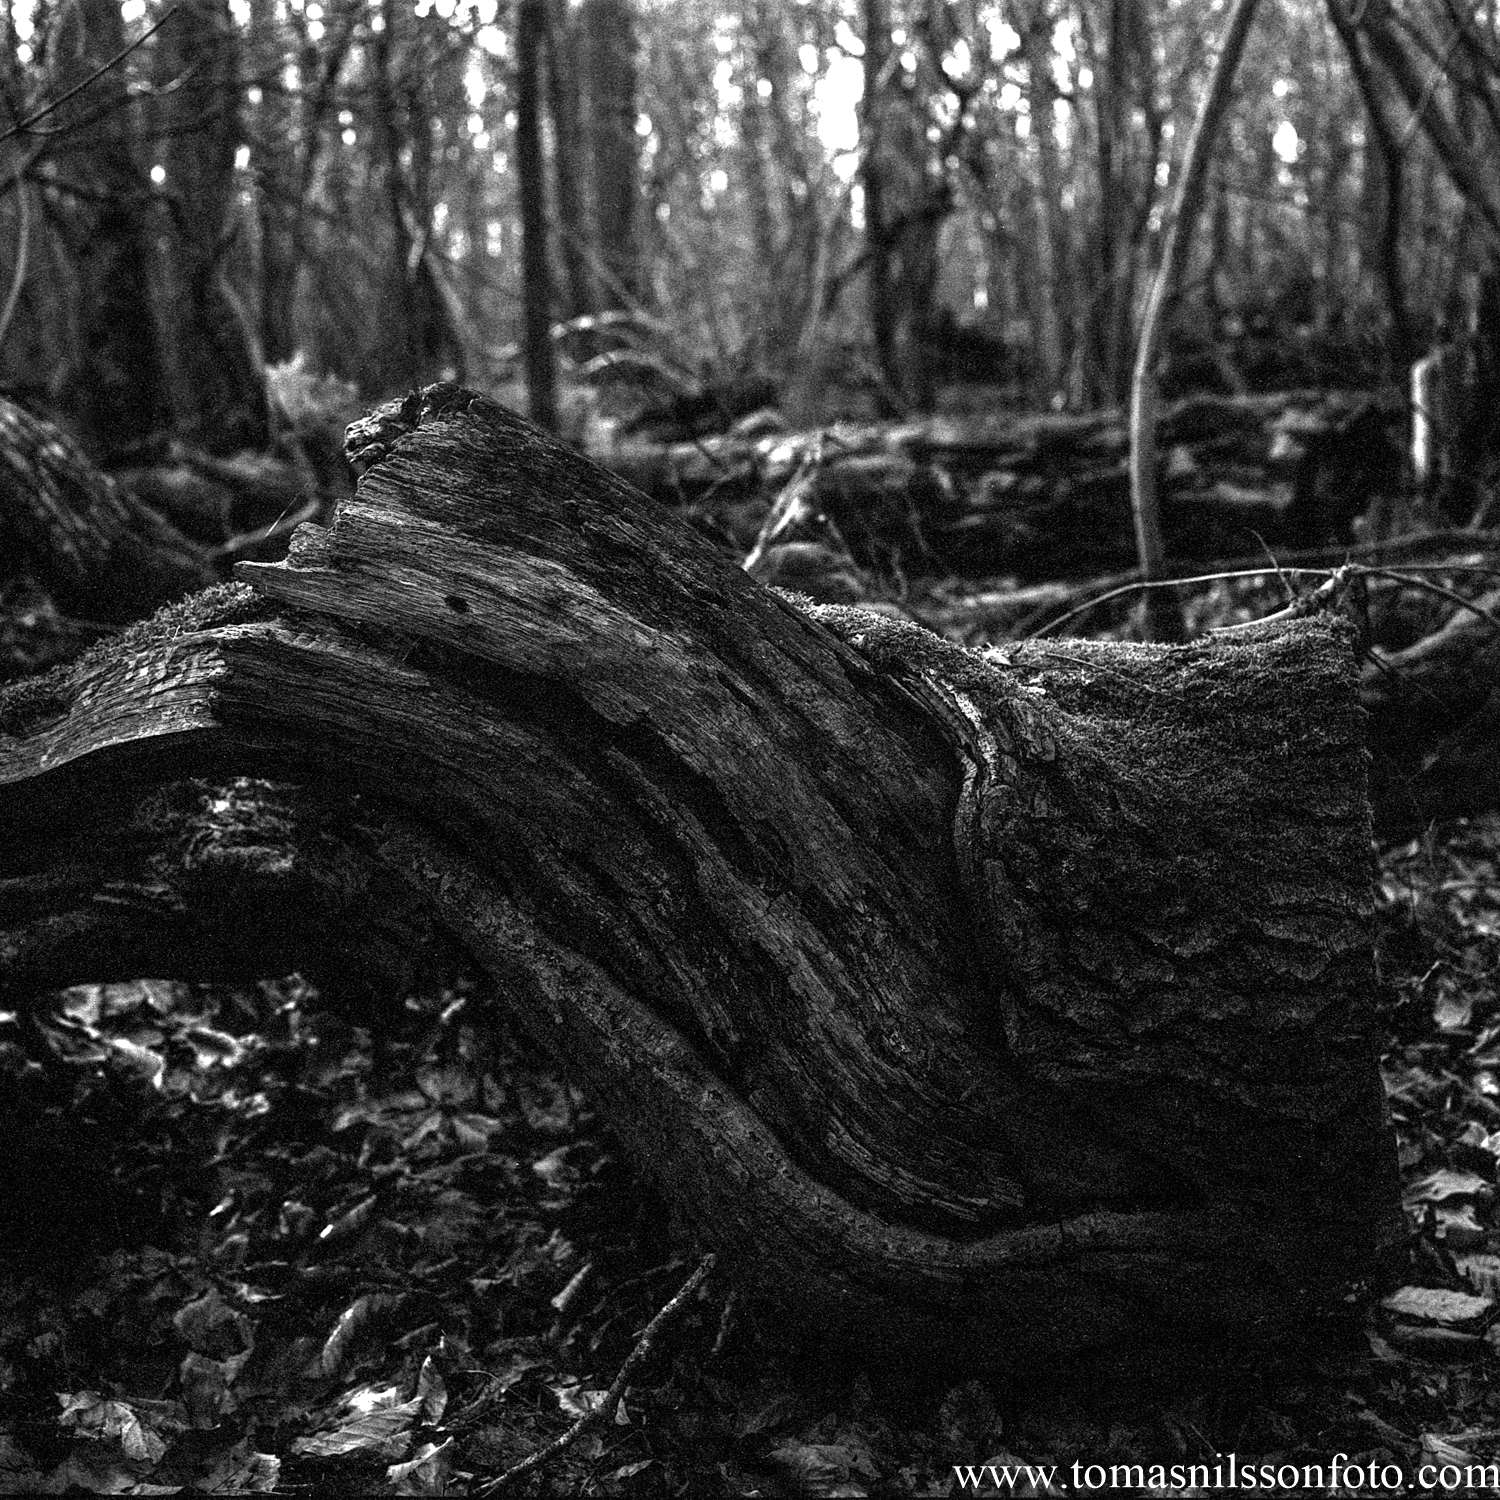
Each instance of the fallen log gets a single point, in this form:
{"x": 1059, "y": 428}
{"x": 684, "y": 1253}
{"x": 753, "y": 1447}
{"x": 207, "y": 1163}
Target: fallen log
{"x": 986, "y": 1009}
{"x": 98, "y": 552}
{"x": 1043, "y": 496}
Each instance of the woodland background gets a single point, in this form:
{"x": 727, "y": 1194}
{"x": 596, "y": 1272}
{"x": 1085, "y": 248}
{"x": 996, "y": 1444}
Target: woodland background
{"x": 860, "y": 288}
{"x": 858, "y": 205}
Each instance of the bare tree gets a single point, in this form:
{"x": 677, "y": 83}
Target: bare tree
{"x": 215, "y": 380}
{"x": 874, "y": 172}
{"x": 113, "y": 383}
{"x": 609, "y": 44}
{"x": 1162, "y": 620}
{"x": 564, "y": 93}
{"x": 536, "y": 272}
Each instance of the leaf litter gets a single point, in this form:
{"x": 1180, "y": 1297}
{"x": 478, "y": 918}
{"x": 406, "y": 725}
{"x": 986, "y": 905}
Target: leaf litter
{"x": 260, "y": 1243}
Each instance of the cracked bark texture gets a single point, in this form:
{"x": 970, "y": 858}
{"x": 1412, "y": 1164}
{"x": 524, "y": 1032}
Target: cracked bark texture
{"x": 991, "y": 1009}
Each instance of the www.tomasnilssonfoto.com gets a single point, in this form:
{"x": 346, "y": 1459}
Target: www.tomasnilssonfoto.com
{"x": 1340, "y": 1474}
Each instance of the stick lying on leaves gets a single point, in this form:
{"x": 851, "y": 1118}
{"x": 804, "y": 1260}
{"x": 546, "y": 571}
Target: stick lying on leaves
{"x": 603, "y": 1415}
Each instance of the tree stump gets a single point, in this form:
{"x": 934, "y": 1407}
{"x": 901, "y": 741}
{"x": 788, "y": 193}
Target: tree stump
{"x": 987, "y": 1009}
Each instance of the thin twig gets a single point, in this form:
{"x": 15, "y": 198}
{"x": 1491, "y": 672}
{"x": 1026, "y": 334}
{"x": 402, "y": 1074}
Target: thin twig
{"x": 1307, "y": 604}
{"x": 604, "y": 1414}
{"x": 247, "y": 541}
{"x": 1385, "y": 551}
{"x": 725, "y": 1318}
{"x": 1426, "y": 585}
{"x": 22, "y": 126}
{"x": 1140, "y": 584}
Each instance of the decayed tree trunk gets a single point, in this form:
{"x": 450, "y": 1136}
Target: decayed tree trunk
{"x": 991, "y": 1009}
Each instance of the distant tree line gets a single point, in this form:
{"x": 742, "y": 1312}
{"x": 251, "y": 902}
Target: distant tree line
{"x": 874, "y": 197}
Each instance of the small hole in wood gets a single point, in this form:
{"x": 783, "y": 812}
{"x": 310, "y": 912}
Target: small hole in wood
{"x": 458, "y": 605}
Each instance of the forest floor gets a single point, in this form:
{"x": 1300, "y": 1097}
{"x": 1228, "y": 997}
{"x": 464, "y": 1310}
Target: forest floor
{"x": 253, "y": 1241}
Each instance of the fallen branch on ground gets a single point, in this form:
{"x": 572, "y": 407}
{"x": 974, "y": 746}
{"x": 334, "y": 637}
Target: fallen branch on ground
{"x": 603, "y": 1415}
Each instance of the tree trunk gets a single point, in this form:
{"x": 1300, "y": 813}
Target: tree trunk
{"x": 608, "y": 28}
{"x": 417, "y": 334}
{"x": 536, "y": 266}
{"x": 874, "y": 174}
{"x": 568, "y": 160}
{"x": 1053, "y": 303}
{"x": 1103, "y": 332}
{"x": 115, "y": 383}
{"x": 1471, "y": 172}
{"x": 1383, "y": 191}
{"x": 984, "y": 1009}
{"x": 278, "y": 202}
{"x": 1162, "y": 619}
{"x": 215, "y": 376}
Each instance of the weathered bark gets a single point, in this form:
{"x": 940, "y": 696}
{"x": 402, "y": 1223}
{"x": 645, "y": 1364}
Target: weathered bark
{"x": 99, "y": 553}
{"x": 992, "y": 1009}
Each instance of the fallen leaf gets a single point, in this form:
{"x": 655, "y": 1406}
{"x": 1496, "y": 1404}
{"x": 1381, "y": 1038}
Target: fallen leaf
{"x": 241, "y": 1472}
{"x": 214, "y": 1048}
{"x": 384, "y": 1434}
{"x": 362, "y": 1316}
{"x": 205, "y": 1390}
{"x": 1458, "y": 1228}
{"x": 626, "y": 1471}
{"x": 577, "y": 1400}
{"x": 425, "y": 1473}
{"x": 91, "y": 1415}
{"x": 827, "y": 1468}
{"x": 1446, "y": 1183}
{"x": 349, "y": 1223}
{"x": 1426, "y": 1304}
{"x": 1481, "y": 1270}
{"x": 1442, "y": 1450}
{"x": 432, "y": 1393}
{"x": 210, "y": 1326}
{"x": 142, "y": 1061}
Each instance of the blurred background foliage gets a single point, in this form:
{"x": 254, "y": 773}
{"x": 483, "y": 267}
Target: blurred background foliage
{"x": 856, "y": 203}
